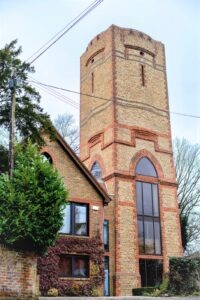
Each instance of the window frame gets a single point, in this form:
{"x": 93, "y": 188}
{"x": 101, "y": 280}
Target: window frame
{"x": 151, "y": 214}
{"x": 72, "y": 222}
{"x": 96, "y": 166}
{"x": 47, "y": 157}
{"x": 147, "y": 278}
{"x": 145, "y": 217}
{"x": 73, "y": 257}
{"x": 106, "y": 227}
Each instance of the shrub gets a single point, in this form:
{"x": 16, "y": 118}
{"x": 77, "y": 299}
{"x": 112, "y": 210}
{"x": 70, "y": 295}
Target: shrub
{"x": 52, "y": 292}
{"x": 143, "y": 291}
{"x": 183, "y": 275}
{"x": 31, "y": 203}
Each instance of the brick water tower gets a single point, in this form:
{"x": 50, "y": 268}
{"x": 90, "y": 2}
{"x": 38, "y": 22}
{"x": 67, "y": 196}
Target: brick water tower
{"x": 125, "y": 140}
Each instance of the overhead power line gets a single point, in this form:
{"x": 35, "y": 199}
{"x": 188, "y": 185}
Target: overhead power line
{"x": 57, "y": 95}
{"x": 63, "y": 31}
{"x": 102, "y": 98}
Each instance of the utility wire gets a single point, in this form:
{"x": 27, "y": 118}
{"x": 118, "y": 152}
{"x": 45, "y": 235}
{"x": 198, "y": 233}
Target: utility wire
{"x": 53, "y": 90}
{"x": 63, "y": 31}
{"x": 106, "y": 99}
{"x": 58, "y": 95}
{"x": 62, "y": 99}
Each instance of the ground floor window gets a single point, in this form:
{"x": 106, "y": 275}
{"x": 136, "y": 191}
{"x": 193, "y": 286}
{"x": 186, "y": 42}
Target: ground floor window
{"x": 106, "y": 276}
{"x": 74, "y": 266}
{"x": 151, "y": 272}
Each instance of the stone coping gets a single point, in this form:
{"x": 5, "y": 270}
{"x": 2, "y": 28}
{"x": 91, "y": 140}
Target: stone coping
{"x": 120, "y": 298}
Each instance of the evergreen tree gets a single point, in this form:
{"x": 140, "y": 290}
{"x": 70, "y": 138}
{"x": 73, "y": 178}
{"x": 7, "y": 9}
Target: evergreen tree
{"x": 30, "y": 117}
{"x": 31, "y": 203}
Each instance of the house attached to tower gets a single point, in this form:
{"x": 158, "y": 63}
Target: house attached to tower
{"x": 125, "y": 141}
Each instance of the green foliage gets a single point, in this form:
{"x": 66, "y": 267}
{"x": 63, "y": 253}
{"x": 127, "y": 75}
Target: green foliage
{"x": 143, "y": 291}
{"x": 183, "y": 275}
{"x": 31, "y": 203}
{"x": 29, "y": 115}
{"x": 184, "y": 231}
{"x": 163, "y": 287}
{"x": 153, "y": 291}
{"x": 3, "y": 159}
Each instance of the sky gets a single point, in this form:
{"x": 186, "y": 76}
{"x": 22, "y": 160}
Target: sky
{"x": 176, "y": 23}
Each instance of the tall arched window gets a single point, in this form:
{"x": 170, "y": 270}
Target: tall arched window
{"x": 96, "y": 170}
{"x": 148, "y": 214}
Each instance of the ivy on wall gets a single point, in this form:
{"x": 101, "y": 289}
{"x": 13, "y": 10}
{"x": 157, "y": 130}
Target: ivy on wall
{"x": 48, "y": 267}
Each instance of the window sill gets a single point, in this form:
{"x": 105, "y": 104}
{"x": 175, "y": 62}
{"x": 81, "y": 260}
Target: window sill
{"x": 151, "y": 256}
{"x": 75, "y": 278}
{"x": 74, "y": 235}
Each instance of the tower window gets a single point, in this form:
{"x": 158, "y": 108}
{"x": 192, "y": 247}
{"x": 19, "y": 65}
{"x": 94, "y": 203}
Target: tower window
{"x": 151, "y": 271}
{"x": 149, "y": 233}
{"x": 146, "y": 168}
{"x": 142, "y": 75}
{"x": 106, "y": 234}
{"x": 92, "y": 82}
{"x": 96, "y": 170}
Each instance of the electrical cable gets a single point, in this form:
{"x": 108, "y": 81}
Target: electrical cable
{"x": 61, "y": 33}
{"x": 59, "y": 96}
{"x": 107, "y": 99}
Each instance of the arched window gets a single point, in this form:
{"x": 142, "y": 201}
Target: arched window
{"x": 148, "y": 213}
{"x": 96, "y": 170}
{"x": 47, "y": 157}
{"x": 146, "y": 168}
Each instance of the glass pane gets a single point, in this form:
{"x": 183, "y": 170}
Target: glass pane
{"x": 65, "y": 267}
{"x": 80, "y": 220}
{"x": 157, "y": 237}
{"x": 80, "y": 267}
{"x": 106, "y": 234}
{"x": 155, "y": 200}
{"x": 66, "y": 221}
{"x": 106, "y": 276}
{"x": 151, "y": 272}
{"x": 139, "y": 197}
{"x": 140, "y": 236}
{"x": 149, "y": 236}
{"x": 147, "y": 199}
{"x": 146, "y": 168}
{"x": 96, "y": 170}
{"x": 46, "y": 157}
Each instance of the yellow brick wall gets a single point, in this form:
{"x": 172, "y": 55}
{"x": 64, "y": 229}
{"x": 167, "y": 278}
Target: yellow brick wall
{"x": 136, "y": 120}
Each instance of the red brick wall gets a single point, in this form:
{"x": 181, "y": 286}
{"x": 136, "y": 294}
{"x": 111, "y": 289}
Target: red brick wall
{"x": 18, "y": 275}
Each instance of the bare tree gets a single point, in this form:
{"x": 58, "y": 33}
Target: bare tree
{"x": 65, "y": 124}
{"x": 187, "y": 164}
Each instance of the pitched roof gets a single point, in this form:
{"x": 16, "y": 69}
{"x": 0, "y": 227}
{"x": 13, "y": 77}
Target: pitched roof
{"x": 101, "y": 191}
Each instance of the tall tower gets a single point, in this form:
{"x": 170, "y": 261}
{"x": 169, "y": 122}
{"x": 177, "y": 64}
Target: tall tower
{"x": 126, "y": 138}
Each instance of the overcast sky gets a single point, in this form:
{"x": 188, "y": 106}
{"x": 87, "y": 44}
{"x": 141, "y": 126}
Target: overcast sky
{"x": 176, "y": 23}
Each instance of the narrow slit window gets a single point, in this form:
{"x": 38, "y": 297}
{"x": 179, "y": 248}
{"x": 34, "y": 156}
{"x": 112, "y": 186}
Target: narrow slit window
{"x": 142, "y": 75}
{"x": 92, "y": 82}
